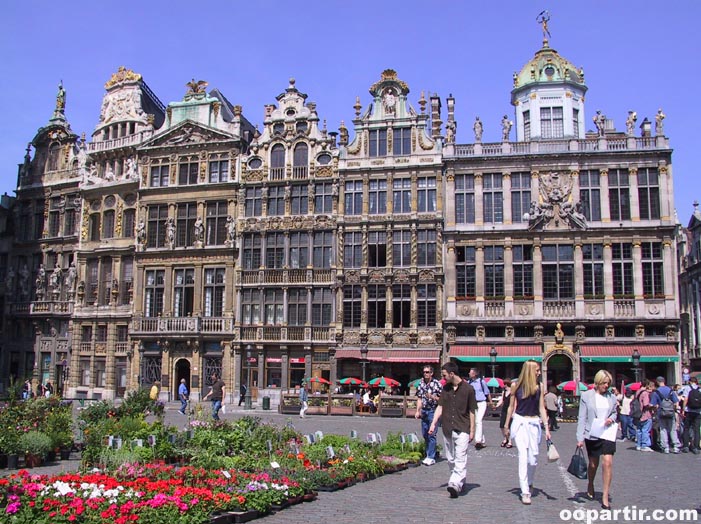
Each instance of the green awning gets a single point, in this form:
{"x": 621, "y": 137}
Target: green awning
{"x": 627, "y": 359}
{"x": 499, "y": 359}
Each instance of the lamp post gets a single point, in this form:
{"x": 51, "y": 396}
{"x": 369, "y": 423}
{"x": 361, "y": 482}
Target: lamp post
{"x": 636, "y": 364}
{"x": 364, "y": 358}
{"x": 249, "y": 355}
{"x": 493, "y": 359}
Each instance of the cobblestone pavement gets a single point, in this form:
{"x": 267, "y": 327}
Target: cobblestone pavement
{"x": 418, "y": 495}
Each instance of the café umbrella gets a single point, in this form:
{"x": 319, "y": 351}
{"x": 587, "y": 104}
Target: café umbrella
{"x": 316, "y": 380}
{"x": 383, "y": 382}
{"x": 352, "y": 381}
{"x": 493, "y": 382}
{"x": 571, "y": 385}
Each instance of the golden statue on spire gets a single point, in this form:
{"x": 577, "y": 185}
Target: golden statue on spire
{"x": 543, "y": 18}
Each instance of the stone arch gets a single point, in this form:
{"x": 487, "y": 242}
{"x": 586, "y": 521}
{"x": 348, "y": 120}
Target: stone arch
{"x": 558, "y": 366}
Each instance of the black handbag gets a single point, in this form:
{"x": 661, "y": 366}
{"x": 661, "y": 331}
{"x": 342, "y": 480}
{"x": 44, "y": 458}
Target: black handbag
{"x": 578, "y": 465}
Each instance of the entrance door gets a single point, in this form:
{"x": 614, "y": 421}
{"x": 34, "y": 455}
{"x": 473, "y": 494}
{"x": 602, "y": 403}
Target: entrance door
{"x": 559, "y": 369}
{"x": 182, "y": 370}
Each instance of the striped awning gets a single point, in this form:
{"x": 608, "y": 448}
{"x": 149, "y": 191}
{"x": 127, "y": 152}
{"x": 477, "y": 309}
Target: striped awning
{"x": 392, "y": 355}
{"x": 624, "y": 352}
{"x": 505, "y": 353}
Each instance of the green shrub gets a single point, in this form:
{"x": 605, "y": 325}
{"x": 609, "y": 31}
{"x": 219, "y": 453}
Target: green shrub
{"x": 35, "y": 443}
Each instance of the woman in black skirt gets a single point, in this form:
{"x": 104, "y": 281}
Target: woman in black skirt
{"x": 504, "y": 402}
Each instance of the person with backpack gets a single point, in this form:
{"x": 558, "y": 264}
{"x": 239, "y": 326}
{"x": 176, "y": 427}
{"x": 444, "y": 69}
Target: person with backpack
{"x": 665, "y": 400}
{"x": 692, "y": 417}
{"x": 641, "y": 412}
{"x": 484, "y": 398}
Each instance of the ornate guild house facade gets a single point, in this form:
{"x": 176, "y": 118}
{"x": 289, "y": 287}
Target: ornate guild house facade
{"x": 180, "y": 241}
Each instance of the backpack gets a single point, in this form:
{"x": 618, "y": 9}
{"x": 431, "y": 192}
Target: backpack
{"x": 636, "y": 408}
{"x": 694, "y": 400}
{"x": 666, "y": 409}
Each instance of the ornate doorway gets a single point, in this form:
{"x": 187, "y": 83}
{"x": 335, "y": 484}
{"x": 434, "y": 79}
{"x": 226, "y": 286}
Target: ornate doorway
{"x": 182, "y": 370}
{"x": 559, "y": 369}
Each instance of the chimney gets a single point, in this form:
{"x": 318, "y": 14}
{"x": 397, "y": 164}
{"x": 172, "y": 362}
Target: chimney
{"x": 436, "y": 122}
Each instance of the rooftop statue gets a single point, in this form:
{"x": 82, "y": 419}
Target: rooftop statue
{"x": 196, "y": 87}
{"x": 543, "y": 18}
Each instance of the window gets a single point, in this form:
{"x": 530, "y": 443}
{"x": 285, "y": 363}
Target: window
{"x": 551, "y": 122}
{"x": 619, "y": 194}
{"x": 465, "y": 272}
{"x": 323, "y": 197}
{"x": 653, "y": 280}
{"x": 575, "y": 122}
{"x": 128, "y": 223}
{"x": 300, "y": 161}
{"x": 426, "y": 305}
{"x": 185, "y": 225}
{"x": 95, "y": 227}
{"x": 401, "y": 141}
{"x": 276, "y": 201}
{"x": 92, "y": 279}
{"x": 297, "y": 306}
{"x": 377, "y": 306}
{"x": 127, "y": 281}
{"x": 352, "y": 302}
{"x": 492, "y": 198}
{"x": 354, "y": 197}
{"x": 218, "y": 169}
{"x": 154, "y": 291}
{"x": 401, "y": 195}
{"x": 39, "y": 220}
{"x": 401, "y": 248}
{"x": 215, "y": 234}
{"x": 254, "y": 202}
{"x": 426, "y": 247}
{"x": 100, "y": 365}
{"x": 322, "y": 307}
{"x": 427, "y": 195}
{"x": 299, "y": 250}
{"x": 648, "y": 193}
{"x": 214, "y": 287}
{"x": 593, "y": 270}
{"x": 523, "y": 271}
{"x": 494, "y": 272}
{"x": 465, "y": 199}
{"x": 251, "y": 251}
{"x": 277, "y": 162}
{"x": 377, "y": 249}
{"x": 84, "y": 366}
{"x": 250, "y": 304}
{"x": 299, "y": 200}
{"x": 188, "y": 171}
{"x": 622, "y": 265}
{"x": 108, "y": 224}
{"x": 157, "y": 216}
{"x": 274, "y": 307}
{"x": 590, "y": 194}
{"x": 353, "y": 249}
{"x": 401, "y": 305}
{"x": 69, "y": 221}
{"x": 160, "y": 174}
{"x": 105, "y": 281}
{"x": 378, "y": 142}
{"x": 122, "y": 333}
{"x": 54, "y": 216}
{"x": 520, "y": 196}
{"x": 558, "y": 272}
{"x": 86, "y": 334}
{"x": 274, "y": 250}
{"x": 101, "y": 333}
{"x": 323, "y": 249}
{"x": 378, "y": 197}
{"x": 526, "y": 125}
{"x": 54, "y": 156}
{"x": 183, "y": 292}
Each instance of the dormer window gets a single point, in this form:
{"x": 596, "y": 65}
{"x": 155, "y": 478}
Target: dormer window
{"x": 300, "y": 161}
{"x": 277, "y": 162}
{"x": 378, "y": 142}
{"x": 278, "y": 128}
{"x": 301, "y": 127}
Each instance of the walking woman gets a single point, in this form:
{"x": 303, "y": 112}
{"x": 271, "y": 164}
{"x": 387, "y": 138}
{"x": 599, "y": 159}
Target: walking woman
{"x": 526, "y": 412}
{"x": 504, "y": 403}
{"x": 598, "y": 403}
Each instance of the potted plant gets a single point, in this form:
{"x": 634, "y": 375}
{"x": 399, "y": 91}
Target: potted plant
{"x": 35, "y": 444}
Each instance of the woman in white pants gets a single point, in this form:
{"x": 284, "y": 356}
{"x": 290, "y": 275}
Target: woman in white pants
{"x": 526, "y": 412}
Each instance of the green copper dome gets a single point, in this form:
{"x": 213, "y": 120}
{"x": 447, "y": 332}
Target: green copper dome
{"x": 547, "y": 66}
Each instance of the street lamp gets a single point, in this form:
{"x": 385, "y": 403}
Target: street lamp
{"x": 493, "y": 359}
{"x": 249, "y": 355}
{"x": 364, "y": 358}
{"x": 636, "y": 364}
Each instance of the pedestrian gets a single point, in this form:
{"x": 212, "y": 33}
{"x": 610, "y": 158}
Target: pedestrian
{"x": 153, "y": 394}
{"x": 427, "y": 394}
{"x": 644, "y": 422}
{"x": 484, "y": 397}
{"x": 504, "y": 403}
{"x": 26, "y": 390}
{"x": 665, "y": 401}
{"x": 48, "y": 389}
{"x": 243, "y": 389}
{"x": 692, "y": 416}
{"x": 527, "y": 404}
{"x": 217, "y": 395}
{"x": 40, "y": 390}
{"x": 183, "y": 395}
{"x": 551, "y": 407}
{"x": 598, "y": 407}
{"x": 627, "y": 428}
{"x": 303, "y": 401}
{"x": 458, "y": 403}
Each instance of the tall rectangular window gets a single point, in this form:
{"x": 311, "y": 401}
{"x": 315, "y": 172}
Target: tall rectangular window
{"x": 128, "y": 223}
{"x": 323, "y": 197}
{"x": 619, "y": 194}
{"x": 493, "y": 198}
{"x": 649, "y": 193}
{"x": 465, "y": 272}
{"x": 299, "y": 250}
{"x": 622, "y": 265}
{"x": 253, "y": 206}
{"x": 297, "y": 306}
{"x": 551, "y": 125}
{"x": 401, "y": 248}
{"x": 377, "y": 249}
{"x": 154, "y": 292}
{"x": 323, "y": 249}
{"x": 100, "y": 365}
{"x": 378, "y": 197}
{"x": 523, "y": 271}
{"x": 160, "y": 175}
{"x": 69, "y": 221}
{"x": 126, "y": 282}
{"x": 215, "y": 234}
{"x": 653, "y": 277}
{"x": 105, "y": 292}
{"x": 352, "y": 305}
{"x": 378, "y": 142}
{"x": 157, "y": 216}
{"x": 377, "y": 306}
{"x": 401, "y": 141}
{"x": 322, "y": 307}
{"x": 465, "y": 199}
{"x": 214, "y": 287}
{"x": 426, "y": 192}
{"x": 188, "y": 171}
{"x": 426, "y": 247}
{"x": 250, "y": 306}
{"x": 95, "y": 227}
{"x": 92, "y": 279}
{"x": 401, "y": 305}
{"x": 494, "y": 272}
{"x": 401, "y": 195}
{"x": 218, "y": 169}
{"x": 520, "y": 196}
{"x": 426, "y": 305}
{"x": 299, "y": 200}
{"x": 526, "y": 125}
{"x": 353, "y": 249}
{"x": 108, "y": 224}
{"x": 183, "y": 292}
{"x": 251, "y": 251}
{"x": 593, "y": 270}
{"x": 354, "y": 197}
{"x": 590, "y": 194}
{"x": 54, "y": 216}
{"x": 274, "y": 304}
{"x": 575, "y": 122}
{"x": 558, "y": 272}
{"x": 274, "y": 250}
{"x": 276, "y": 201}
{"x": 185, "y": 225}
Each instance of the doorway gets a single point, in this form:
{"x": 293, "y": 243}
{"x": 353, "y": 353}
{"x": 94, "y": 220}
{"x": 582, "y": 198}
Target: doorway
{"x": 182, "y": 370}
{"x": 559, "y": 369}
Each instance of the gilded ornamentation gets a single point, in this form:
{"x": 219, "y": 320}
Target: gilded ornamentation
{"x": 122, "y": 76}
{"x": 662, "y": 170}
{"x": 118, "y": 224}
{"x": 85, "y": 225}
{"x": 353, "y": 277}
{"x": 389, "y": 75}
{"x": 253, "y": 176}
{"x": 377, "y": 276}
{"x": 426, "y": 275}
{"x": 640, "y": 332}
{"x": 196, "y": 87}
{"x": 324, "y": 171}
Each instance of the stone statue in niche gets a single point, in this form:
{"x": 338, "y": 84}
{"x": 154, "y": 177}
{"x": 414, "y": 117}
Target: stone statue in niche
{"x": 559, "y": 334}
{"x": 10, "y": 279}
{"x": 55, "y": 278}
{"x": 389, "y": 102}
{"x": 41, "y": 279}
{"x": 170, "y": 232}
{"x": 71, "y": 277}
{"x": 199, "y": 230}
{"x": 141, "y": 232}
{"x": 230, "y": 230}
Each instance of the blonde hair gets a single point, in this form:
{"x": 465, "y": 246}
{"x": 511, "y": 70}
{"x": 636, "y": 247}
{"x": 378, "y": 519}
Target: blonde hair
{"x": 603, "y": 376}
{"x": 527, "y": 379}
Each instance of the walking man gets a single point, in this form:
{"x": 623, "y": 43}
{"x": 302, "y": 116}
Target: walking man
{"x": 551, "y": 408}
{"x": 483, "y": 396}
{"x": 692, "y": 416}
{"x": 666, "y": 400}
{"x": 303, "y": 398}
{"x": 183, "y": 396}
{"x": 243, "y": 389}
{"x": 456, "y": 407}
{"x": 428, "y": 393}
{"x": 217, "y": 394}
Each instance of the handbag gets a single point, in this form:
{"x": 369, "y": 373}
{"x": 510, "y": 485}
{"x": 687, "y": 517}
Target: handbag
{"x": 553, "y": 455}
{"x": 578, "y": 465}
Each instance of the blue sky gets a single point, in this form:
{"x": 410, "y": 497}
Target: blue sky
{"x": 640, "y": 55}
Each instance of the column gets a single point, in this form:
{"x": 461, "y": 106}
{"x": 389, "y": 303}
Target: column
{"x": 578, "y": 278}
{"x": 450, "y": 279}
{"x": 608, "y": 279}
{"x": 634, "y": 200}
{"x": 537, "y": 281}
{"x": 506, "y": 189}
{"x": 449, "y": 209}
{"x": 479, "y": 200}
{"x": 110, "y": 379}
{"x": 605, "y": 205}
{"x": 479, "y": 272}
{"x": 666, "y": 192}
{"x": 670, "y": 280}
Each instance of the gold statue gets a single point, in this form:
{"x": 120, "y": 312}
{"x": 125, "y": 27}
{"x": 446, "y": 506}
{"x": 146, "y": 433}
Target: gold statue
{"x": 543, "y": 18}
{"x": 196, "y": 87}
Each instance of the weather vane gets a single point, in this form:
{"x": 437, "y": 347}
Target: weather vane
{"x": 543, "y": 18}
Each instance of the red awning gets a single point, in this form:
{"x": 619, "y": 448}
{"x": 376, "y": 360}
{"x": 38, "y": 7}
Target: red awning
{"x": 393, "y": 355}
{"x": 502, "y": 351}
{"x": 616, "y": 350}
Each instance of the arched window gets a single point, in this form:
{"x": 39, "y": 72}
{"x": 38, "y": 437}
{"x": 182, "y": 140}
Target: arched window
{"x": 277, "y": 162}
{"x": 54, "y": 154}
{"x": 301, "y": 160}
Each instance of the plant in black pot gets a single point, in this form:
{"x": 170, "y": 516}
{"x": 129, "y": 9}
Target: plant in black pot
{"x": 35, "y": 444}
